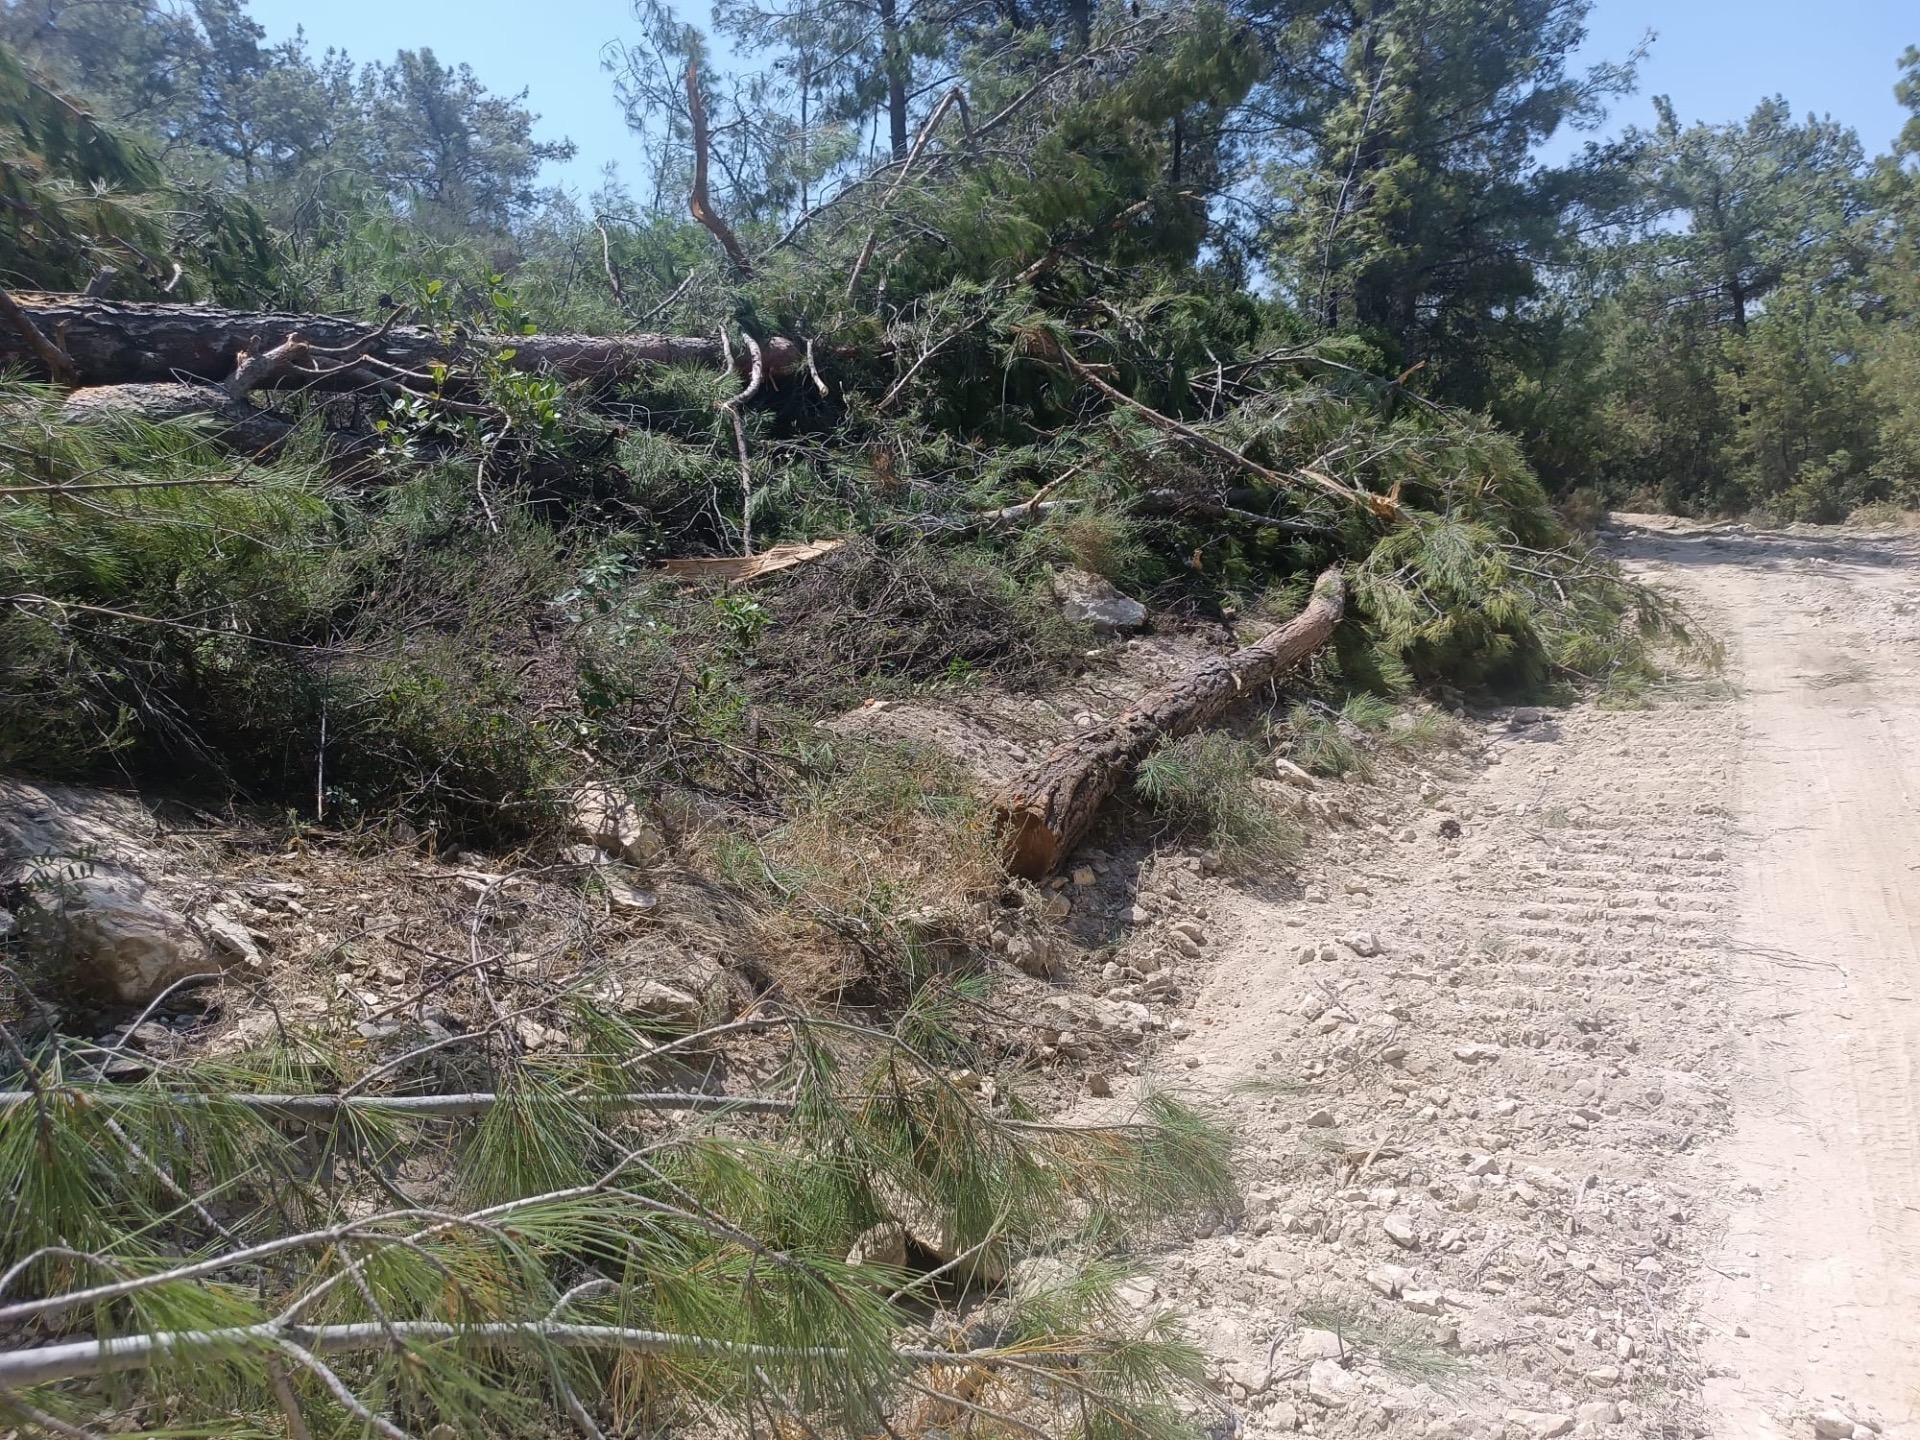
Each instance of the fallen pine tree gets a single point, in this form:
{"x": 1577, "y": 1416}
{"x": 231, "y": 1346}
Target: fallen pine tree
{"x": 106, "y": 342}
{"x": 233, "y": 422}
{"x": 1050, "y": 806}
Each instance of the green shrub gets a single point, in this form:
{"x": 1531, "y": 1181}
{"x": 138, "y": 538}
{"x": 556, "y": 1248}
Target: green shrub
{"x": 1324, "y": 743}
{"x": 1203, "y": 786}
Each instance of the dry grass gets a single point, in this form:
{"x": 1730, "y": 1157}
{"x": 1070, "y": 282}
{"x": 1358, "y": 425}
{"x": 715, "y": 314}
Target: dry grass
{"x": 874, "y": 878}
{"x": 1885, "y": 515}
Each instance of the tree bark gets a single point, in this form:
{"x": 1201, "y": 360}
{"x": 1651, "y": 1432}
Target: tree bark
{"x": 115, "y": 343}
{"x": 893, "y": 57}
{"x": 1047, "y": 809}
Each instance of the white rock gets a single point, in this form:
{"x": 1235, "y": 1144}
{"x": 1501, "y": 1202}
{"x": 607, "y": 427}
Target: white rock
{"x": 230, "y": 939}
{"x": 91, "y": 916}
{"x": 1330, "y": 1385}
{"x": 1253, "y": 1376}
{"x": 882, "y": 1244}
{"x": 1540, "y": 1424}
{"x": 1137, "y": 1293}
{"x": 651, "y": 997}
{"x": 1401, "y": 1230}
{"x": 108, "y": 933}
{"x": 1833, "y": 1425}
{"x": 1318, "y": 1120}
{"x": 1363, "y": 943}
{"x": 1093, "y": 600}
{"x": 1319, "y": 1345}
{"x": 1476, "y": 1054}
{"x": 1597, "y": 1413}
{"x": 607, "y": 817}
{"x": 1389, "y": 1280}
{"x": 626, "y": 898}
{"x": 1424, "y": 1302}
{"x": 1293, "y": 774}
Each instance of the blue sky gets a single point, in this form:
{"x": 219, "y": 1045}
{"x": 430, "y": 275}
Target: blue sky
{"x": 1715, "y": 57}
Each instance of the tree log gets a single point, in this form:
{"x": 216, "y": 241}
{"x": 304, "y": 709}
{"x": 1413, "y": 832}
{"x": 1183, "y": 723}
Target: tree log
{"x": 115, "y": 343}
{"x": 232, "y": 423}
{"x": 1048, "y": 808}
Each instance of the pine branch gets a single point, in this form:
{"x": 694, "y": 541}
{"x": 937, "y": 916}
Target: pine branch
{"x": 76, "y": 1359}
{"x": 422, "y": 1107}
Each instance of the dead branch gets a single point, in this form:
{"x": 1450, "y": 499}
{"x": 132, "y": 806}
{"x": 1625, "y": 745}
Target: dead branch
{"x": 606, "y": 264}
{"x": 698, "y": 201}
{"x": 258, "y": 371}
{"x": 44, "y": 1364}
{"x": 1057, "y": 253}
{"x": 1153, "y": 502}
{"x": 952, "y": 99}
{"x": 756, "y": 374}
{"x": 1384, "y": 506}
{"x": 43, "y": 603}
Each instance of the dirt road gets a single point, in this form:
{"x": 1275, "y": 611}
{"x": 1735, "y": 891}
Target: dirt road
{"x": 1823, "y": 1268}
{"x": 1579, "y": 1081}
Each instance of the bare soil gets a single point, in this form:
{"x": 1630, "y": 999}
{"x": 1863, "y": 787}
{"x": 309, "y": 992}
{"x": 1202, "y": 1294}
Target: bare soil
{"x": 1579, "y": 1079}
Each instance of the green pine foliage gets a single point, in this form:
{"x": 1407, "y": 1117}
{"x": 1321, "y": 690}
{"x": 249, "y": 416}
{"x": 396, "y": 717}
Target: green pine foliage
{"x": 568, "y": 1258}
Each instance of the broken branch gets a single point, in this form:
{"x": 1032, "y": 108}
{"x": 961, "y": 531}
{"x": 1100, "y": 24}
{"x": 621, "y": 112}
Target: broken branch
{"x": 698, "y": 201}
{"x": 59, "y": 364}
{"x": 1384, "y": 506}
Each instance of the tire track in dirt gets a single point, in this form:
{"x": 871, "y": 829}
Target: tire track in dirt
{"x": 1602, "y": 1117}
{"x": 1471, "y": 1156}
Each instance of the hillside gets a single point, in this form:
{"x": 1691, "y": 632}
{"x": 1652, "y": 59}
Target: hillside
{"x": 622, "y": 814}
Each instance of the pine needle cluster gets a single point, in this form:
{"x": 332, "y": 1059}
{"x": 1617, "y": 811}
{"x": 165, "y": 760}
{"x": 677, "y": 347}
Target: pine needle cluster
{"x": 287, "y": 1238}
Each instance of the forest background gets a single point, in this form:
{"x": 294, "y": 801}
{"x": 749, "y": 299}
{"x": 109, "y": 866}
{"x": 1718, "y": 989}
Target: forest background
{"x": 1716, "y": 316}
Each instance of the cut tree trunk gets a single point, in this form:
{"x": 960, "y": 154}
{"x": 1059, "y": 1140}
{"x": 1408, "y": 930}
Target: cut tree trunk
{"x": 1048, "y": 808}
{"x": 115, "y": 343}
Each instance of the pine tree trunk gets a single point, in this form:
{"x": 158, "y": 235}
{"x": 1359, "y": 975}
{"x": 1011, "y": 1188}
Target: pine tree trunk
{"x": 1046, "y": 811}
{"x": 893, "y": 56}
{"x": 115, "y": 343}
